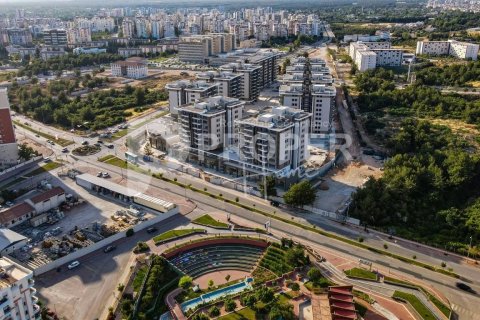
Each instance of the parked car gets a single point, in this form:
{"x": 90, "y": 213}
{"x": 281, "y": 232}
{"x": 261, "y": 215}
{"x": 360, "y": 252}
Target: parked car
{"x": 110, "y": 146}
{"x": 85, "y": 143}
{"x": 151, "y": 230}
{"x": 74, "y": 264}
{"x": 275, "y": 203}
{"x": 65, "y": 150}
{"x": 99, "y": 174}
{"x": 109, "y": 249}
{"x": 105, "y": 174}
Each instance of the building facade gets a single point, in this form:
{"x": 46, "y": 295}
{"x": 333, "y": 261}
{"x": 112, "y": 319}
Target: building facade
{"x": 8, "y": 142}
{"x": 185, "y": 92}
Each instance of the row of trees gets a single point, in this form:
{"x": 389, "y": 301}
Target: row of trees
{"x": 67, "y": 62}
{"x": 450, "y": 75}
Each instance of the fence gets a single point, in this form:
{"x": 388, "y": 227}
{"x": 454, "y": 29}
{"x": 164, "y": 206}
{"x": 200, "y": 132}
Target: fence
{"x": 19, "y": 168}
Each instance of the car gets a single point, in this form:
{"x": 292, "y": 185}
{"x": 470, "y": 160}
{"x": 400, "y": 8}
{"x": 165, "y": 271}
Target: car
{"x": 73, "y": 265}
{"x": 99, "y": 141}
{"x": 65, "y": 150}
{"x": 465, "y": 287}
{"x": 110, "y": 146}
{"x": 151, "y": 230}
{"x": 105, "y": 174}
{"x": 37, "y": 135}
{"x": 275, "y": 203}
{"x": 109, "y": 249}
{"x": 85, "y": 143}
{"x": 47, "y": 160}
{"x": 99, "y": 174}
{"x": 97, "y": 145}
{"x": 9, "y": 204}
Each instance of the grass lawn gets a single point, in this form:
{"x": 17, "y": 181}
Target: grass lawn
{"x": 208, "y": 221}
{"x": 117, "y": 162}
{"x": 398, "y": 281}
{"x": 244, "y": 314}
{"x": 424, "y": 312}
{"x": 60, "y": 141}
{"x": 48, "y": 167}
{"x": 172, "y": 234}
{"x": 139, "y": 277}
{"x": 361, "y": 273}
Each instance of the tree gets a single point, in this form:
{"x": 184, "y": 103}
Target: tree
{"x": 185, "y": 282}
{"x": 300, "y": 194}
{"x": 264, "y": 294}
{"x": 295, "y": 256}
{"x": 314, "y": 274}
{"x": 230, "y": 305}
{"x": 249, "y": 300}
{"x": 129, "y": 232}
{"x": 295, "y": 287}
{"x": 25, "y": 152}
{"x": 210, "y": 283}
{"x": 200, "y": 316}
{"x": 269, "y": 181}
{"x": 281, "y": 311}
{"x": 214, "y": 311}
{"x": 148, "y": 150}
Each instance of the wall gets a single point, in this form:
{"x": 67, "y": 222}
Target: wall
{"x": 98, "y": 245}
{"x": 14, "y": 171}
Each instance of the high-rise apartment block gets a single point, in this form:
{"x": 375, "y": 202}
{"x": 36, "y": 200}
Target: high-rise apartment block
{"x": 369, "y": 55}
{"x": 186, "y": 92}
{"x": 8, "y": 143}
{"x": 55, "y": 37}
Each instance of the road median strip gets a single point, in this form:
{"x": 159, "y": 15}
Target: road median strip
{"x": 60, "y": 141}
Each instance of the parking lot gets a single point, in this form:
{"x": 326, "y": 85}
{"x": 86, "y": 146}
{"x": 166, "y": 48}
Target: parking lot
{"x": 84, "y": 292}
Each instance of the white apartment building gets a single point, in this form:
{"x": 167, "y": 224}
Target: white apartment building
{"x": 433, "y": 48}
{"x": 369, "y": 55}
{"x": 17, "y": 293}
{"x": 186, "y": 92}
{"x": 463, "y": 50}
{"x": 457, "y": 49}
{"x": 131, "y": 68}
{"x": 198, "y": 48}
{"x": 208, "y": 125}
{"x": 79, "y": 35}
{"x": 229, "y": 84}
{"x": 251, "y": 77}
{"x": 323, "y": 98}
{"x": 365, "y": 60}
{"x": 291, "y": 95}
{"x": 274, "y": 141}
{"x": 128, "y": 28}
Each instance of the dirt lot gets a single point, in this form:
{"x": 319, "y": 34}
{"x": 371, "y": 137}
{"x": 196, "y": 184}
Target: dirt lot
{"x": 340, "y": 183}
{"x": 157, "y": 79}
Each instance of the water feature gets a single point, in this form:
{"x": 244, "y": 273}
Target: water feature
{"x": 214, "y": 295}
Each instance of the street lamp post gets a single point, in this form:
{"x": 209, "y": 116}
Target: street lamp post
{"x": 469, "y": 247}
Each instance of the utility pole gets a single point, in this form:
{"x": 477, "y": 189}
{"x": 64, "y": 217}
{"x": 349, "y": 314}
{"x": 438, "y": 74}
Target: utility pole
{"x": 469, "y": 247}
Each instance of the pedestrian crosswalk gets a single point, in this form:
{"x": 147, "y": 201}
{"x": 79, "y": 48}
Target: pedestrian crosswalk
{"x": 465, "y": 314}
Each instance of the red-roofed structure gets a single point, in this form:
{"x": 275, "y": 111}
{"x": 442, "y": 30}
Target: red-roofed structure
{"x": 336, "y": 304}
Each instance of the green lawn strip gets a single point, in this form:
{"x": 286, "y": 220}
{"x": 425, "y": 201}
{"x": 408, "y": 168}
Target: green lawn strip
{"x": 439, "y": 304}
{"x": 362, "y": 295}
{"x": 244, "y": 314}
{"x": 308, "y": 228}
{"x": 208, "y": 221}
{"x": 424, "y": 312}
{"x": 48, "y": 167}
{"x": 173, "y": 234}
{"x": 106, "y": 158}
{"x": 60, "y": 141}
{"x": 139, "y": 277}
{"x": 361, "y": 273}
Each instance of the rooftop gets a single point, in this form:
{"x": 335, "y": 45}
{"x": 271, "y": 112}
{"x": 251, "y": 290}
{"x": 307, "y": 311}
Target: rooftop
{"x": 190, "y": 85}
{"x": 212, "y": 105}
{"x": 47, "y": 195}
{"x": 15, "y": 212}
{"x": 10, "y": 272}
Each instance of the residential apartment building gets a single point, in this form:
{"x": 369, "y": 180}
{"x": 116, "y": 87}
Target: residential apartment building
{"x": 208, "y": 124}
{"x": 17, "y": 36}
{"x": 369, "y": 55}
{"x": 229, "y": 84}
{"x": 252, "y": 77}
{"x": 134, "y": 68}
{"x": 273, "y": 141}
{"x": 306, "y": 89}
{"x": 55, "y": 37}
{"x": 457, "y": 49}
{"x": 8, "y": 142}
{"x": 17, "y": 292}
{"x": 49, "y": 52}
{"x": 323, "y": 98}
{"x": 186, "y": 92}
{"x": 79, "y": 35}
{"x": 198, "y": 48}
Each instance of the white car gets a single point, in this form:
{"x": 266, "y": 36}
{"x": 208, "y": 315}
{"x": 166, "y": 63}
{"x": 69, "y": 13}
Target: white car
{"x": 74, "y": 264}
